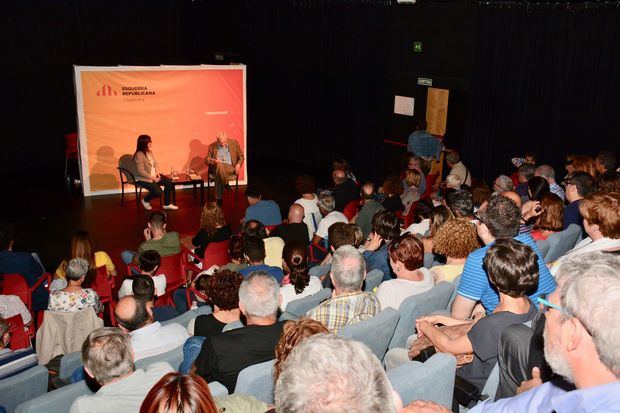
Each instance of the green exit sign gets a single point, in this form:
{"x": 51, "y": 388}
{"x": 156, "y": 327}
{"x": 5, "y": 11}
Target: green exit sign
{"x": 417, "y": 47}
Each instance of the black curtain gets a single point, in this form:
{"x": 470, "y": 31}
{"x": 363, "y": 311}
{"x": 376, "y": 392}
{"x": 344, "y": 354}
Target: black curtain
{"x": 546, "y": 80}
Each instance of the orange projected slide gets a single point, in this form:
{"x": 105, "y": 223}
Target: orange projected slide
{"x": 180, "y": 107}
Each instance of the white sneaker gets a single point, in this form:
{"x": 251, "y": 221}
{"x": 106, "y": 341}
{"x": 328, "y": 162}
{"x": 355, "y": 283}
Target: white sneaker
{"x": 146, "y": 205}
{"x": 171, "y": 206}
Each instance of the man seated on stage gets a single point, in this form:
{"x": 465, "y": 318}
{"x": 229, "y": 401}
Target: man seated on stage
{"x": 224, "y": 159}
{"x": 265, "y": 211}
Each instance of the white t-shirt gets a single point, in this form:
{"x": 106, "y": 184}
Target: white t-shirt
{"x": 288, "y": 292}
{"x": 156, "y": 339}
{"x": 393, "y": 292}
{"x": 420, "y": 228}
{"x": 312, "y": 215}
{"x": 327, "y": 222}
{"x": 158, "y": 280}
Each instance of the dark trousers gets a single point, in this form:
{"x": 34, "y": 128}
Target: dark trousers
{"x": 155, "y": 191}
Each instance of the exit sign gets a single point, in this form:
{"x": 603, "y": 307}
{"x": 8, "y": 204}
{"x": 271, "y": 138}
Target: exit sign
{"x": 417, "y": 47}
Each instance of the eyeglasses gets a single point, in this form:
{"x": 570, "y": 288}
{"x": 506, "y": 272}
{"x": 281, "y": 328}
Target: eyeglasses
{"x": 546, "y": 305}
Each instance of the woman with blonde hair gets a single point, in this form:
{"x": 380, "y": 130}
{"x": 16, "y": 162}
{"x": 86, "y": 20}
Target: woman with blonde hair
{"x": 411, "y": 193}
{"x": 454, "y": 240}
{"x": 213, "y": 228}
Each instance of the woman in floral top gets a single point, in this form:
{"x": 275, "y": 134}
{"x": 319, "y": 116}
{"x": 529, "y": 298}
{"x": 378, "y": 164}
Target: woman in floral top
{"x": 73, "y": 297}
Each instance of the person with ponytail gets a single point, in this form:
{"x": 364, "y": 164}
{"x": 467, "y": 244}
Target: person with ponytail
{"x": 295, "y": 263}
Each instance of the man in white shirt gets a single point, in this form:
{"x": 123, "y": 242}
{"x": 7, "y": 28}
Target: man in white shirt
{"x": 148, "y": 337}
{"x": 453, "y": 160}
{"x": 108, "y": 358}
{"x": 327, "y": 206}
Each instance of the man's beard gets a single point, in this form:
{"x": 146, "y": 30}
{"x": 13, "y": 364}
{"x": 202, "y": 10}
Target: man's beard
{"x": 556, "y": 361}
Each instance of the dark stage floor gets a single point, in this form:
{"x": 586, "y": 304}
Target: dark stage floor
{"x": 47, "y": 213}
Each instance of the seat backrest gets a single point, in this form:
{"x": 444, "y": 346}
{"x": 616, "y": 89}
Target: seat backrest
{"x": 350, "y": 209}
{"x": 232, "y": 326}
{"x": 127, "y": 168}
{"x": 543, "y": 246}
{"x": 15, "y": 284}
{"x": 430, "y": 180}
{"x": 561, "y": 242}
{"x": 172, "y": 267}
{"x": 375, "y": 332}
{"x": 19, "y": 338}
{"x": 102, "y": 286}
{"x": 257, "y": 381}
{"x": 432, "y": 380}
{"x": 216, "y": 253}
{"x": 417, "y": 306}
{"x": 373, "y": 279}
{"x": 56, "y": 401}
{"x": 303, "y": 305}
{"x": 174, "y": 357}
{"x": 184, "y": 318}
{"x": 22, "y": 387}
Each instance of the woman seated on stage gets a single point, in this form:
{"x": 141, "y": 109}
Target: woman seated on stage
{"x": 213, "y": 228}
{"x": 83, "y": 246}
{"x": 73, "y": 297}
{"x": 148, "y": 176}
{"x": 551, "y": 218}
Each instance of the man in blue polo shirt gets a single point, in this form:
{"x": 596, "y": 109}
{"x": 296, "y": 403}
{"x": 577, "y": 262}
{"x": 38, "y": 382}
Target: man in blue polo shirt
{"x": 266, "y": 212}
{"x": 500, "y": 220}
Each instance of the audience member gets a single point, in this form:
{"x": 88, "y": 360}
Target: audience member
{"x": 27, "y": 265}
{"x": 414, "y": 162}
{"x": 73, "y": 297}
{"x": 385, "y": 227}
{"x": 392, "y": 189}
{"x": 148, "y": 263}
{"x": 581, "y": 341}
{"x": 339, "y": 234}
{"x": 345, "y": 190}
{"x": 551, "y": 218}
{"x": 453, "y": 182}
{"x": 568, "y": 167}
{"x": 273, "y": 245}
{"x": 499, "y": 220}
{"x": 547, "y": 172}
{"x": 223, "y": 356}
{"x": 580, "y": 185}
{"x": 178, "y": 393}
{"x": 343, "y": 165}
{"x": 148, "y": 337}
{"x": 411, "y": 193}
{"x": 83, "y": 246}
{"x": 295, "y": 229}
{"x": 480, "y": 193}
{"x": 453, "y": 160}
{"x": 108, "y": 358}
{"x": 213, "y": 228}
{"x": 461, "y": 204}
{"x": 224, "y": 158}
{"x": 235, "y": 252}
{"x": 421, "y": 218}
{"x": 327, "y": 206}
{"x": 526, "y": 171}
{"x": 222, "y": 288}
{"x": 406, "y": 254}
{"x": 454, "y": 240}
{"x": 601, "y": 222}
{"x": 266, "y": 212}
{"x": 537, "y": 187}
{"x": 584, "y": 163}
{"x": 351, "y": 379}
{"x": 295, "y": 257}
{"x": 349, "y": 304}
{"x": 254, "y": 251}
{"x": 502, "y": 183}
{"x": 370, "y": 206}
{"x": 13, "y": 362}
{"x": 143, "y": 288}
{"x": 605, "y": 161}
{"x": 439, "y": 215}
{"x": 609, "y": 181}
{"x": 422, "y": 143}
{"x": 306, "y": 187}
{"x": 157, "y": 238}
{"x": 11, "y": 305}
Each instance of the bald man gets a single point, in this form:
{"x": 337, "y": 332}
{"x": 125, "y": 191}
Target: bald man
{"x": 345, "y": 190}
{"x": 148, "y": 337}
{"x": 294, "y": 229}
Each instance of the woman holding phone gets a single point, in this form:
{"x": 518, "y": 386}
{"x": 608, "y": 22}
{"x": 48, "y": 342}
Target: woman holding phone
{"x": 148, "y": 176}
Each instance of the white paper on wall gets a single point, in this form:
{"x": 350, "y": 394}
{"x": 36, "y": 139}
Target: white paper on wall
{"x": 403, "y": 105}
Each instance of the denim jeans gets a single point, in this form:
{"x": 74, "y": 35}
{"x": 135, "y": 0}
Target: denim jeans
{"x": 191, "y": 350}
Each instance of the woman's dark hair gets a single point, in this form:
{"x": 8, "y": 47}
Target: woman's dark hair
{"x": 341, "y": 164}
{"x": 538, "y": 187}
{"x": 609, "y": 181}
{"x": 480, "y": 192}
{"x": 179, "y": 393}
{"x": 143, "y": 144}
{"x": 235, "y": 247}
{"x": 143, "y": 287}
{"x": 512, "y": 267}
{"x": 386, "y": 224}
{"x": 254, "y": 248}
{"x": 295, "y": 256}
{"x": 223, "y": 289}
{"x": 422, "y": 210}
{"x": 304, "y": 184}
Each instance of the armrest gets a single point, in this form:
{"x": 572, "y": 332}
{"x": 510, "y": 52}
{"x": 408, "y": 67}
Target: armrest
{"x": 46, "y": 277}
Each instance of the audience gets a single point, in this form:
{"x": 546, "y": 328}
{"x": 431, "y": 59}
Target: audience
{"x": 349, "y": 304}
{"x": 13, "y": 362}
{"x": 157, "y": 238}
{"x": 605, "y": 161}
{"x": 213, "y": 228}
{"x": 306, "y": 187}
{"x": 295, "y": 265}
{"x": 392, "y": 189}
{"x": 273, "y": 245}
{"x": 345, "y": 190}
{"x": 406, "y": 254}
{"x": 223, "y": 356}
{"x": 370, "y": 206}
{"x": 413, "y": 162}
{"x": 327, "y": 206}
{"x": 526, "y": 171}
{"x": 551, "y": 217}
{"x": 11, "y": 305}
{"x": 453, "y": 182}
{"x": 266, "y": 212}
{"x": 223, "y": 291}
{"x": 547, "y": 172}
{"x": 385, "y": 227}
{"x": 295, "y": 229}
{"x": 453, "y": 160}
{"x": 109, "y": 359}
{"x": 581, "y": 341}
{"x": 235, "y": 252}
{"x": 73, "y": 297}
{"x": 499, "y": 220}
{"x": 148, "y": 337}
{"x": 254, "y": 251}
{"x": 143, "y": 287}
{"x": 149, "y": 263}
{"x": 455, "y": 240}
{"x": 578, "y": 186}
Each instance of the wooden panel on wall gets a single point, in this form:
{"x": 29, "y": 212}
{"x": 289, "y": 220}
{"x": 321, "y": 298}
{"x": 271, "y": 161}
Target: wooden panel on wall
{"x": 437, "y": 110}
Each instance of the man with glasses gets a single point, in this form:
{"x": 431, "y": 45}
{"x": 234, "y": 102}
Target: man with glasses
{"x": 579, "y": 185}
{"x": 581, "y": 341}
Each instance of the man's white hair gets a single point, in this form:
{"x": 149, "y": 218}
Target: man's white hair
{"x": 504, "y": 182}
{"x": 259, "y": 293}
{"x": 327, "y": 202}
{"x": 546, "y": 172}
{"x": 453, "y": 181}
{"x": 348, "y": 268}
{"x": 327, "y": 373}
{"x": 589, "y": 287}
